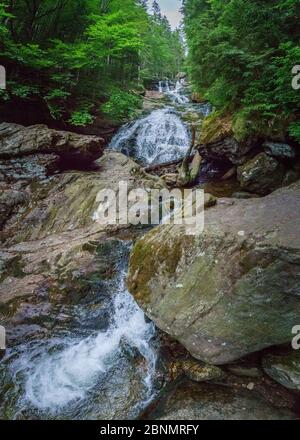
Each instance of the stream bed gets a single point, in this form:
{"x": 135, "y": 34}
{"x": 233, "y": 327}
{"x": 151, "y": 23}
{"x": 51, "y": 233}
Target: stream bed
{"x": 99, "y": 359}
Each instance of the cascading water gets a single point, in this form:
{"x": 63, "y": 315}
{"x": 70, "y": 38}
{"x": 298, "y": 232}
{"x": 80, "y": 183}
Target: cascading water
{"x": 157, "y": 138}
{"x": 68, "y": 372}
{"x": 99, "y": 359}
{"x": 176, "y": 95}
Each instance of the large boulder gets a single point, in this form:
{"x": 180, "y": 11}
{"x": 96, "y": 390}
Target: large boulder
{"x": 192, "y": 401}
{"x": 18, "y": 141}
{"x": 218, "y": 141}
{"x": 261, "y": 175}
{"x": 232, "y": 290}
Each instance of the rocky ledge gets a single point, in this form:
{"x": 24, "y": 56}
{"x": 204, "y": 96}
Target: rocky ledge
{"x": 232, "y": 290}
{"x": 261, "y": 163}
{"x": 52, "y": 252}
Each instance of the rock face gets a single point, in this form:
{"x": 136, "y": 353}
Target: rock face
{"x": 52, "y": 250}
{"x": 10, "y": 200}
{"x": 227, "y": 149}
{"x": 284, "y": 369}
{"x": 234, "y": 289}
{"x": 192, "y": 401}
{"x": 153, "y": 100}
{"x": 261, "y": 175}
{"x": 32, "y": 167}
{"x": 18, "y": 141}
{"x": 218, "y": 142}
{"x": 282, "y": 151}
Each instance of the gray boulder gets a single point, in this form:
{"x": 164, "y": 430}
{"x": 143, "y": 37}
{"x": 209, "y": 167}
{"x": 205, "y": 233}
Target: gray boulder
{"x": 18, "y": 141}
{"x": 232, "y": 290}
{"x": 226, "y": 149}
{"x": 28, "y": 168}
{"x": 261, "y": 175}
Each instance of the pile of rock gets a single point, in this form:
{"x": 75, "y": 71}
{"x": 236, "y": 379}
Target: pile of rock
{"x": 261, "y": 166}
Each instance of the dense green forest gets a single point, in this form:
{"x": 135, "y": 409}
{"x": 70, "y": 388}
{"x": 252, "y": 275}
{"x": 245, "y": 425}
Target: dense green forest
{"x": 241, "y": 55}
{"x": 81, "y": 58}
{"x": 85, "y": 56}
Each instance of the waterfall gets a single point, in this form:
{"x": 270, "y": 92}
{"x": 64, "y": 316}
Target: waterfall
{"x": 176, "y": 95}
{"x": 65, "y": 371}
{"x": 157, "y": 138}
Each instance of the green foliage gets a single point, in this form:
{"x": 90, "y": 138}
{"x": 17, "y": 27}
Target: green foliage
{"x": 121, "y": 105}
{"x": 294, "y": 130}
{"x": 81, "y": 118}
{"x": 241, "y": 55}
{"x": 22, "y": 90}
{"x": 63, "y": 52}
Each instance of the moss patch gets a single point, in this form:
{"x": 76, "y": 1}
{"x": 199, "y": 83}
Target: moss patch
{"x": 216, "y": 127}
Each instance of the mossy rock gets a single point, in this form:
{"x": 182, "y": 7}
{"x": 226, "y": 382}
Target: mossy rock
{"x": 231, "y": 290}
{"x": 215, "y": 127}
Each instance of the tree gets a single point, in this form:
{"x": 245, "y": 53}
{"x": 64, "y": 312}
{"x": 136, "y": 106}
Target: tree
{"x": 241, "y": 53}
{"x": 156, "y": 10}
{"x": 75, "y": 56}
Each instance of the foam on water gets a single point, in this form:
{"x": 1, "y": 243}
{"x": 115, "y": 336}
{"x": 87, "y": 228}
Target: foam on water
{"x": 176, "y": 95}
{"x": 157, "y": 138}
{"x": 68, "y": 369}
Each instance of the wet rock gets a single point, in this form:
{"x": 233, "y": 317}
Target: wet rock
{"x": 230, "y": 174}
{"x": 18, "y": 141}
{"x": 261, "y": 175}
{"x": 192, "y": 401}
{"x": 200, "y": 372}
{"x": 193, "y": 118}
{"x": 279, "y": 150}
{"x": 181, "y": 75}
{"x": 221, "y": 189}
{"x": 243, "y": 371}
{"x": 284, "y": 369}
{"x": 55, "y": 252}
{"x": 170, "y": 179}
{"x": 32, "y": 167}
{"x": 153, "y": 100}
{"x": 225, "y": 149}
{"x": 232, "y": 290}
{"x": 197, "y": 98}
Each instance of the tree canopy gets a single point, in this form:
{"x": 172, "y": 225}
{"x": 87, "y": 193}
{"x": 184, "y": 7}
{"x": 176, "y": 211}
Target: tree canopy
{"x": 76, "y": 55}
{"x": 241, "y": 55}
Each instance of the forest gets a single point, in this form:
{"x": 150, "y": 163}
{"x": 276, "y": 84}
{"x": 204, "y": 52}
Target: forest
{"x": 241, "y": 56}
{"x": 149, "y": 212}
{"x": 81, "y": 57}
